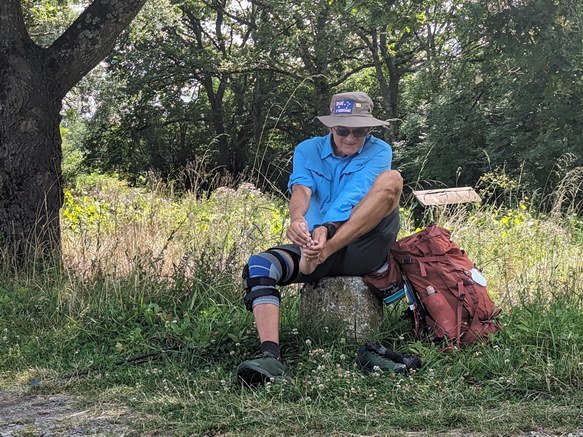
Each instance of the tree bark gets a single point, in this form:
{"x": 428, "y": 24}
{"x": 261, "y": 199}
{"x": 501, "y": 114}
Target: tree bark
{"x": 391, "y": 98}
{"x": 33, "y": 82}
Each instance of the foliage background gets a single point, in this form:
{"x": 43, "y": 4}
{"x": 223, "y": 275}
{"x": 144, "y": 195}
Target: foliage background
{"x": 470, "y": 86}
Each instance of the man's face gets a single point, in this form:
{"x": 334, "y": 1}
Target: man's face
{"x": 348, "y": 141}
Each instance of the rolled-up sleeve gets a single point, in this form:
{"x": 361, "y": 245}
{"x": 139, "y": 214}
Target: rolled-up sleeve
{"x": 300, "y": 173}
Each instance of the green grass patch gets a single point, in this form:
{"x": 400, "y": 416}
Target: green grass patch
{"x": 147, "y": 275}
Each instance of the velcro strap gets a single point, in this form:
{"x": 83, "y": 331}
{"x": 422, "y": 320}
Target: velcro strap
{"x": 252, "y": 295}
{"x": 249, "y": 283}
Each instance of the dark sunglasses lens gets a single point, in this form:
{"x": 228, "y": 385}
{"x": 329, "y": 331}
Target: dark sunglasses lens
{"x": 358, "y": 133}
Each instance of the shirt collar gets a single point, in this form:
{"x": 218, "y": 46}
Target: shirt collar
{"x": 328, "y": 150}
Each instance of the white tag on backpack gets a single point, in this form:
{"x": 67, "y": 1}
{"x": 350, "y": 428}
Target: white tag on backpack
{"x": 477, "y": 277}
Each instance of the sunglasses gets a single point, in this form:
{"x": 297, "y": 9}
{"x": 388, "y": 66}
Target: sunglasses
{"x": 356, "y": 133}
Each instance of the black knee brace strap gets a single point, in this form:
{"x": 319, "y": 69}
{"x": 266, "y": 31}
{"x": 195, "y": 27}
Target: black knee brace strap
{"x": 249, "y": 283}
{"x": 250, "y": 296}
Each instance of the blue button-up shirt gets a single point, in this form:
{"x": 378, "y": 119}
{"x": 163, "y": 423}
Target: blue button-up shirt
{"x": 337, "y": 183}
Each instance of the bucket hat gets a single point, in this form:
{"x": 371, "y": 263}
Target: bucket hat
{"x": 353, "y": 109}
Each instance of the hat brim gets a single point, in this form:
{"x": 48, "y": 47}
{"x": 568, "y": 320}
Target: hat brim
{"x": 351, "y": 121}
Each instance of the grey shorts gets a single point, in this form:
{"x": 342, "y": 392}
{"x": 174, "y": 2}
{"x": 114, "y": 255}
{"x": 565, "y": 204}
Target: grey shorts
{"x": 360, "y": 257}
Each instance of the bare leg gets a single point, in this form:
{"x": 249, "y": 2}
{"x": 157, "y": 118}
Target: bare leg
{"x": 267, "y": 315}
{"x": 267, "y": 320}
{"x": 381, "y": 200}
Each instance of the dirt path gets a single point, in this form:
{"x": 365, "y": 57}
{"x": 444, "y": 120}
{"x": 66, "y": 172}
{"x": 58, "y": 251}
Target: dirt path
{"x": 30, "y": 414}
{"x": 26, "y": 413}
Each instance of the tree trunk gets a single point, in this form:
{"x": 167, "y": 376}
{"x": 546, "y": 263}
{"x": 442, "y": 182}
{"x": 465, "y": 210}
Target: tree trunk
{"x": 394, "y": 79}
{"x": 30, "y": 155}
{"x": 33, "y": 82}
{"x": 375, "y": 41}
{"x": 218, "y": 120}
{"x": 384, "y": 85}
{"x": 322, "y": 88}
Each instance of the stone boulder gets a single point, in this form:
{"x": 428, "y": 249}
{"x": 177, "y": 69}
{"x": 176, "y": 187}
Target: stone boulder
{"x": 346, "y": 299}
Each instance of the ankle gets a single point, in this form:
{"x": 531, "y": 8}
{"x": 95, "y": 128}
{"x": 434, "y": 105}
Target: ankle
{"x": 272, "y": 348}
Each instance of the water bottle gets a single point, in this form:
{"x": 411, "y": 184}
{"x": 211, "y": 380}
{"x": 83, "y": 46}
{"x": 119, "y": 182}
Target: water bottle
{"x": 441, "y": 313}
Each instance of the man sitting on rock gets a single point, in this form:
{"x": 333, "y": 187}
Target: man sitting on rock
{"x": 344, "y": 217}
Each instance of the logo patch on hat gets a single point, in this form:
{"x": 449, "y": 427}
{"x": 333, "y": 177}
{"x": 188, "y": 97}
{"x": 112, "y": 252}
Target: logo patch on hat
{"x": 343, "y": 107}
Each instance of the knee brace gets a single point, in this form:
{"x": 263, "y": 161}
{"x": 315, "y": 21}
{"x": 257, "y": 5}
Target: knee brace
{"x": 262, "y": 273}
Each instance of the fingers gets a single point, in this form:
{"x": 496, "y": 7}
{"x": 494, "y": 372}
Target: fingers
{"x": 313, "y": 244}
{"x": 317, "y": 256}
{"x": 298, "y": 233}
{"x": 319, "y": 236}
{"x": 310, "y": 253}
{"x": 317, "y": 244}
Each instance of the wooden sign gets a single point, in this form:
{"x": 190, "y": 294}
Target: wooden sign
{"x": 447, "y": 196}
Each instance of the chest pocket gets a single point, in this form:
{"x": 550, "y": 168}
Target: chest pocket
{"x": 322, "y": 181}
{"x": 319, "y": 174}
{"x": 353, "y": 167}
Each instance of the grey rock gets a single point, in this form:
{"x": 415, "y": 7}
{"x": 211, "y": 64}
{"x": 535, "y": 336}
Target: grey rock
{"x": 345, "y": 299}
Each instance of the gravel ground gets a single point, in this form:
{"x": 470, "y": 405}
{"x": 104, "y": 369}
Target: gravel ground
{"x": 27, "y": 414}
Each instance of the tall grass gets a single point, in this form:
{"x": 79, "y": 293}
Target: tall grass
{"x": 149, "y": 271}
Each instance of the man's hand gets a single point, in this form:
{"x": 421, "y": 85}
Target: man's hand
{"x": 315, "y": 253}
{"x": 298, "y": 232}
{"x": 318, "y": 243}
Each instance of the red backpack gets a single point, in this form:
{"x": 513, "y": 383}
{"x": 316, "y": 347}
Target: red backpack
{"x": 447, "y": 293}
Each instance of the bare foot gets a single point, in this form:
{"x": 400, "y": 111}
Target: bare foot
{"x": 307, "y": 266}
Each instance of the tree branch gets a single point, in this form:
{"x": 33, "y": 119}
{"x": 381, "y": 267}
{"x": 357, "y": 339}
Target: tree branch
{"x": 12, "y": 27}
{"x": 89, "y": 40}
{"x": 196, "y": 26}
{"x": 346, "y": 75}
{"x": 236, "y": 17}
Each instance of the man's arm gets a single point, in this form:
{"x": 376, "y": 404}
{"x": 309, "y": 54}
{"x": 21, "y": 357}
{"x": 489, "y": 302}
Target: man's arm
{"x": 379, "y": 202}
{"x": 360, "y": 183}
{"x": 299, "y": 203}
